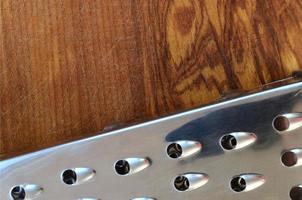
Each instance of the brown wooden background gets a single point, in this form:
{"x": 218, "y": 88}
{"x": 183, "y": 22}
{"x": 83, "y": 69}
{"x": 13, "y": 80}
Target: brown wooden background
{"x": 70, "y": 67}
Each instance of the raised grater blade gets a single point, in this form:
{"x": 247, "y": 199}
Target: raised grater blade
{"x": 245, "y": 148}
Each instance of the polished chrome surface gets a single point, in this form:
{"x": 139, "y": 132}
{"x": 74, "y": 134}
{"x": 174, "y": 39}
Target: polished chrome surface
{"x": 287, "y": 122}
{"x": 237, "y": 140}
{"x": 253, "y": 113}
{"x": 183, "y": 148}
{"x": 190, "y": 181}
{"x": 292, "y": 158}
{"x": 130, "y": 166}
{"x": 296, "y": 193}
{"x": 246, "y": 182}
{"x": 77, "y": 175}
{"x": 25, "y": 191}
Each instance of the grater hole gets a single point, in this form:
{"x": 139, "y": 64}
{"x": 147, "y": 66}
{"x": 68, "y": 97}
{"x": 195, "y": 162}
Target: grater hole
{"x": 122, "y": 167}
{"x": 289, "y": 159}
{"x": 69, "y": 177}
{"x": 181, "y": 183}
{"x": 174, "y": 150}
{"x": 228, "y": 142}
{"x": 281, "y": 123}
{"x": 238, "y": 184}
{"x": 296, "y": 193}
{"x": 18, "y": 193}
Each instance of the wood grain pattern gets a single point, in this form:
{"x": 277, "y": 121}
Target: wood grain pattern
{"x": 70, "y": 67}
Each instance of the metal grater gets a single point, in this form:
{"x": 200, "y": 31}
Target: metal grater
{"x": 246, "y": 148}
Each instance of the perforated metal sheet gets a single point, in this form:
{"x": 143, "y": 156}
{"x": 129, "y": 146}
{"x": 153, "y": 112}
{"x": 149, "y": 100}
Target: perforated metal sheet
{"x": 252, "y": 113}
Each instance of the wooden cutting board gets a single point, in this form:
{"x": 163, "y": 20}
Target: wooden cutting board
{"x": 68, "y": 68}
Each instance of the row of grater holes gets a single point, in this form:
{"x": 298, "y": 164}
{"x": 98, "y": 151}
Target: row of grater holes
{"x": 18, "y": 193}
{"x": 282, "y": 124}
{"x": 181, "y": 183}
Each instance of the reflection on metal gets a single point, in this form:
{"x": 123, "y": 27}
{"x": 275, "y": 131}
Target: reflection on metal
{"x": 246, "y": 182}
{"x": 143, "y": 198}
{"x": 102, "y": 155}
{"x": 292, "y": 158}
{"x": 183, "y": 149}
{"x": 77, "y": 175}
{"x": 25, "y": 192}
{"x": 190, "y": 181}
{"x": 237, "y": 140}
{"x": 131, "y": 166}
{"x": 296, "y": 193}
{"x": 287, "y": 122}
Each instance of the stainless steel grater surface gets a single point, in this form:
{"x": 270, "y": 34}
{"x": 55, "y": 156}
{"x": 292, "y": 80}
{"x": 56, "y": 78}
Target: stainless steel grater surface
{"x": 245, "y": 148}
